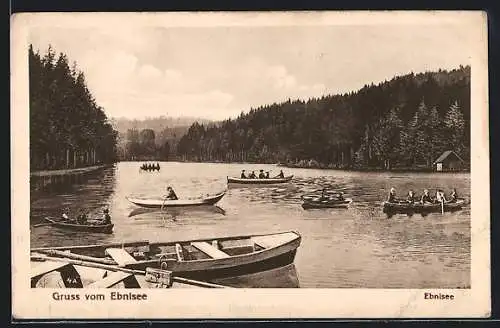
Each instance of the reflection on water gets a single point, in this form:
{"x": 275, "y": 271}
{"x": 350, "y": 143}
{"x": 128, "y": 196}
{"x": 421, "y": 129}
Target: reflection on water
{"x": 355, "y": 247}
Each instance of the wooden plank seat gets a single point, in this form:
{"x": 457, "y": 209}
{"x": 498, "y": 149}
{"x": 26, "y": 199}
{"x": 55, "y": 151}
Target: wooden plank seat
{"x": 210, "y": 250}
{"x": 112, "y": 280}
{"x": 120, "y": 256}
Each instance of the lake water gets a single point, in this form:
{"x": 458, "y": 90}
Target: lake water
{"x": 356, "y": 247}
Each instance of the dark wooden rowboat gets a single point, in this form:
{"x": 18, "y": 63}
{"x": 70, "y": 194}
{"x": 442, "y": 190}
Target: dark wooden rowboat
{"x": 259, "y": 181}
{"x": 201, "y": 259}
{"x": 95, "y": 228}
{"x": 159, "y": 203}
{"x": 404, "y": 207}
{"x": 329, "y": 203}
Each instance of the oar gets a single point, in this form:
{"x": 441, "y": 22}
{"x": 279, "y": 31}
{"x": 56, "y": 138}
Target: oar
{"x": 42, "y": 224}
{"x": 442, "y": 206}
{"x": 161, "y": 209}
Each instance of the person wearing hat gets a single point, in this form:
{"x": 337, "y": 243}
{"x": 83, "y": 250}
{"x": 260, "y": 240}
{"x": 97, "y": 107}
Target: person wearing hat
{"x": 426, "y": 198}
{"x": 392, "y": 196}
{"x": 262, "y": 175}
{"x": 243, "y": 176}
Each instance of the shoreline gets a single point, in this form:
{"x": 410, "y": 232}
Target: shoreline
{"x": 294, "y": 166}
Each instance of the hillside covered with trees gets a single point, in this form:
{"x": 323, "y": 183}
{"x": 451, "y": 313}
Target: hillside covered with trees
{"x": 153, "y": 138}
{"x": 67, "y": 127}
{"x": 405, "y": 122}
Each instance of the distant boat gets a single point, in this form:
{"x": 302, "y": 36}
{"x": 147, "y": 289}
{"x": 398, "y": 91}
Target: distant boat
{"x": 89, "y": 227}
{"x": 310, "y": 203}
{"x": 159, "y": 203}
{"x": 259, "y": 181}
{"x": 202, "y": 259}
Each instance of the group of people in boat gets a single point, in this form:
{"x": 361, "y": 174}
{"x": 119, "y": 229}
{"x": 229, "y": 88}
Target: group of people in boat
{"x": 150, "y": 166}
{"x": 262, "y": 175}
{"x": 426, "y": 198}
{"x": 83, "y": 218}
{"x": 326, "y": 196}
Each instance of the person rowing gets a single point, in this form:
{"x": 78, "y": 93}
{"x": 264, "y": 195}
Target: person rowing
{"x": 340, "y": 196}
{"x": 392, "y": 196}
{"x": 411, "y": 197}
{"x": 107, "y": 217}
{"x": 243, "y": 176}
{"x": 267, "y": 175}
{"x": 82, "y": 218}
{"x": 171, "y": 194}
{"x": 262, "y": 175}
{"x": 252, "y": 175}
{"x": 426, "y": 198}
{"x": 65, "y": 214}
{"x": 281, "y": 175}
{"x": 440, "y": 196}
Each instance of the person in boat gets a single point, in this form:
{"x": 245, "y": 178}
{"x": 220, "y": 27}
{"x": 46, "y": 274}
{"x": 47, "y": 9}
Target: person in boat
{"x": 65, "y": 214}
{"x": 324, "y": 195}
{"x": 82, "y": 218}
{"x": 440, "y": 196}
{"x": 281, "y": 175}
{"x": 340, "y": 196}
{"x": 262, "y": 175}
{"x": 453, "y": 196}
{"x": 107, "y": 217}
{"x": 243, "y": 176}
{"x": 392, "y": 196}
{"x": 426, "y": 198}
{"x": 158, "y": 166}
{"x": 411, "y": 197}
{"x": 267, "y": 175}
{"x": 171, "y": 194}
{"x": 252, "y": 175}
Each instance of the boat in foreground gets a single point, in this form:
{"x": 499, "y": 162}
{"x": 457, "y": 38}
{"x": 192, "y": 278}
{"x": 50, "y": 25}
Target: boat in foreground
{"x": 404, "y": 207}
{"x": 201, "y": 259}
{"x": 259, "y": 181}
{"x": 95, "y": 227}
{"x": 159, "y": 203}
{"x": 311, "y": 203}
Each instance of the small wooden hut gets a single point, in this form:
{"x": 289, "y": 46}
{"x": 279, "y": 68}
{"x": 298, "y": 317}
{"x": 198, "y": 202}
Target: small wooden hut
{"x": 449, "y": 161}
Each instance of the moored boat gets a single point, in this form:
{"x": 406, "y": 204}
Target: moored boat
{"x": 92, "y": 227}
{"x": 200, "y": 259}
{"x": 159, "y": 203}
{"x": 311, "y": 203}
{"x": 404, "y": 207}
{"x": 259, "y": 181}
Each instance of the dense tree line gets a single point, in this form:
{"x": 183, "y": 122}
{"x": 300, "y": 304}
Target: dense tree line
{"x": 67, "y": 127}
{"x": 407, "y": 121}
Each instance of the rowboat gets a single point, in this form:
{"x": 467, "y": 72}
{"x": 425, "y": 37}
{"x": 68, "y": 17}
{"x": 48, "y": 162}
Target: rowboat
{"x": 327, "y": 203}
{"x": 200, "y": 259}
{"x": 259, "y": 181}
{"x": 404, "y": 207}
{"x": 159, "y": 203}
{"x": 96, "y": 228}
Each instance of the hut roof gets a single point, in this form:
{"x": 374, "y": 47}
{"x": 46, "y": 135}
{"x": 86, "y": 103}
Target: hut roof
{"x": 445, "y": 155}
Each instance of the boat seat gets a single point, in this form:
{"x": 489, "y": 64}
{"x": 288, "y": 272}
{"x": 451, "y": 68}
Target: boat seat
{"x": 111, "y": 280}
{"x": 120, "y": 256}
{"x": 47, "y": 267}
{"x": 271, "y": 241}
{"x": 210, "y": 250}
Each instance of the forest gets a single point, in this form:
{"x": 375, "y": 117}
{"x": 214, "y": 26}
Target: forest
{"x": 68, "y": 129}
{"x": 406, "y": 122}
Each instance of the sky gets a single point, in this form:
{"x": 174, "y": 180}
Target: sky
{"x": 218, "y": 72}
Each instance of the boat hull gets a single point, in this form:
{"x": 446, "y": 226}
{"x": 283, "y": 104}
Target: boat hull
{"x": 107, "y": 228}
{"x": 157, "y": 203}
{"x": 280, "y": 253}
{"x": 405, "y": 208}
{"x": 258, "y": 181}
{"x": 317, "y": 204}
